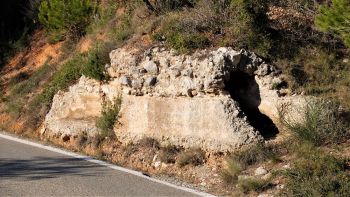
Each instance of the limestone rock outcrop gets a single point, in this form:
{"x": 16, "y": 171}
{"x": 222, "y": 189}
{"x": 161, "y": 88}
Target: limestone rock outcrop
{"x": 75, "y": 111}
{"x": 179, "y": 99}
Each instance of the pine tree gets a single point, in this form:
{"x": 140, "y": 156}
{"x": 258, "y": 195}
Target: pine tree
{"x": 336, "y": 19}
{"x": 65, "y": 17}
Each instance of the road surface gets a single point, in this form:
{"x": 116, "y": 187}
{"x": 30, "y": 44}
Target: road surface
{"x": 32, "y": 170}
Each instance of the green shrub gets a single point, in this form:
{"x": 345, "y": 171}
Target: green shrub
{"x": 189, "y": 29}
{"x": 22, "y": 76}
{"x": 181, "y": 36}
{"x": 192, "y": 156}
{"x": 66, "y": 17}
{"x": 239, "y": 23}
{"x": 62, "y": 79}
{"x": 248, "y": 25}
{"x": 25, "y": 84}
{"x": 104, "y": 14}
{"x": 90, "y": 64}
{"x": 124, "y": 29}
{"x": 317, "y": 174}
{"x": 94, "y": 61}
{"x": 15, "y": 107}
{"x": 253, "y": 184}
{"x": 230, "y": 174}
{"x": 14, "y": 46}
{"x": 254, "y": 154}
{"x": 249, "y": 156}
{"x": 109, "y": 116}
{"x": 320, "y": 123}
{"x": 94, "y": 64}
{"x": 164, "y": 6}
{"x": 321, "y": 72}
{"x": 335, "y": 19}
{"x": 22, "y": 86}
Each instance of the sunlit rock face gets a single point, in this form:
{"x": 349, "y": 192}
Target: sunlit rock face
{"x": 207, "y": 99}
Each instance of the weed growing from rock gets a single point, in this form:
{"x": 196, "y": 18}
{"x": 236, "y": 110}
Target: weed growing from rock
{"x": 109, "y": 116}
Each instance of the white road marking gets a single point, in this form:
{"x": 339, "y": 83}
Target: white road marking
{"x": 102, "y": 163}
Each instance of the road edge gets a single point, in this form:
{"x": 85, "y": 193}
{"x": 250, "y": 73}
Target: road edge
{"x": 102, "y": 163}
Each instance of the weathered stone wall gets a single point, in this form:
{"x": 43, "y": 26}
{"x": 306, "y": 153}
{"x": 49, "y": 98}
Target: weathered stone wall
{"x": 163, "y": 73}
{"x": 178, "y": 99}
{"x": 76, "y": 110}
{"x": 213, "y": 123}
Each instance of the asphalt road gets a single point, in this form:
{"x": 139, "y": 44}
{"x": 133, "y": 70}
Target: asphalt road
{"x": 26, "y": 170}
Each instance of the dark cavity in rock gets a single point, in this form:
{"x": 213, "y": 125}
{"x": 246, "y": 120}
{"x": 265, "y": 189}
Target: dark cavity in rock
{"x": 244, "y": 89}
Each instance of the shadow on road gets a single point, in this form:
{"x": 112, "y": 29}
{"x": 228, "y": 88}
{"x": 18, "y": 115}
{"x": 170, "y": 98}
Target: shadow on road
{"x": 44, "y": 167}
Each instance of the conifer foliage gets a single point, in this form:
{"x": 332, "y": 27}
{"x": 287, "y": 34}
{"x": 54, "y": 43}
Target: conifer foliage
{"x": 63, "y": 18}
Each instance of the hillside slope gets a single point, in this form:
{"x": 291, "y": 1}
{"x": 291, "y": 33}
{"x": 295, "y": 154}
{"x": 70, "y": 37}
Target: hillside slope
{"x": 112, "y": 44}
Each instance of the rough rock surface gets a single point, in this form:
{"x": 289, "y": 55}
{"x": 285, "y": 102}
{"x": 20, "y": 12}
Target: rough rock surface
{"x": 74, "y": 111}
{"x": 260, "y": 171}
{"x": 214, "y": 123}
{"x": 178, "y": 99}
{"x": 176, "y": 75}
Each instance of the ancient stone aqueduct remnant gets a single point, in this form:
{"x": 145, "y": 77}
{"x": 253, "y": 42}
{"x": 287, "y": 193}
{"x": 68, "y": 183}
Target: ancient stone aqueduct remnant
{"x": 217, "y": 100}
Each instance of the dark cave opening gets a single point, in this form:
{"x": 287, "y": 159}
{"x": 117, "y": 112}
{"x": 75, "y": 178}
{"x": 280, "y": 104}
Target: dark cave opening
{"x": 244, "y": 89}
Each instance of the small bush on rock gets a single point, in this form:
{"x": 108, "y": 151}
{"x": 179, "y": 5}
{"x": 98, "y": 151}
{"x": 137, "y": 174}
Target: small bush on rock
{"x": 109, "y": 116}
{"x": 90, "y": 64}
{"x": 94, "y": 65}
